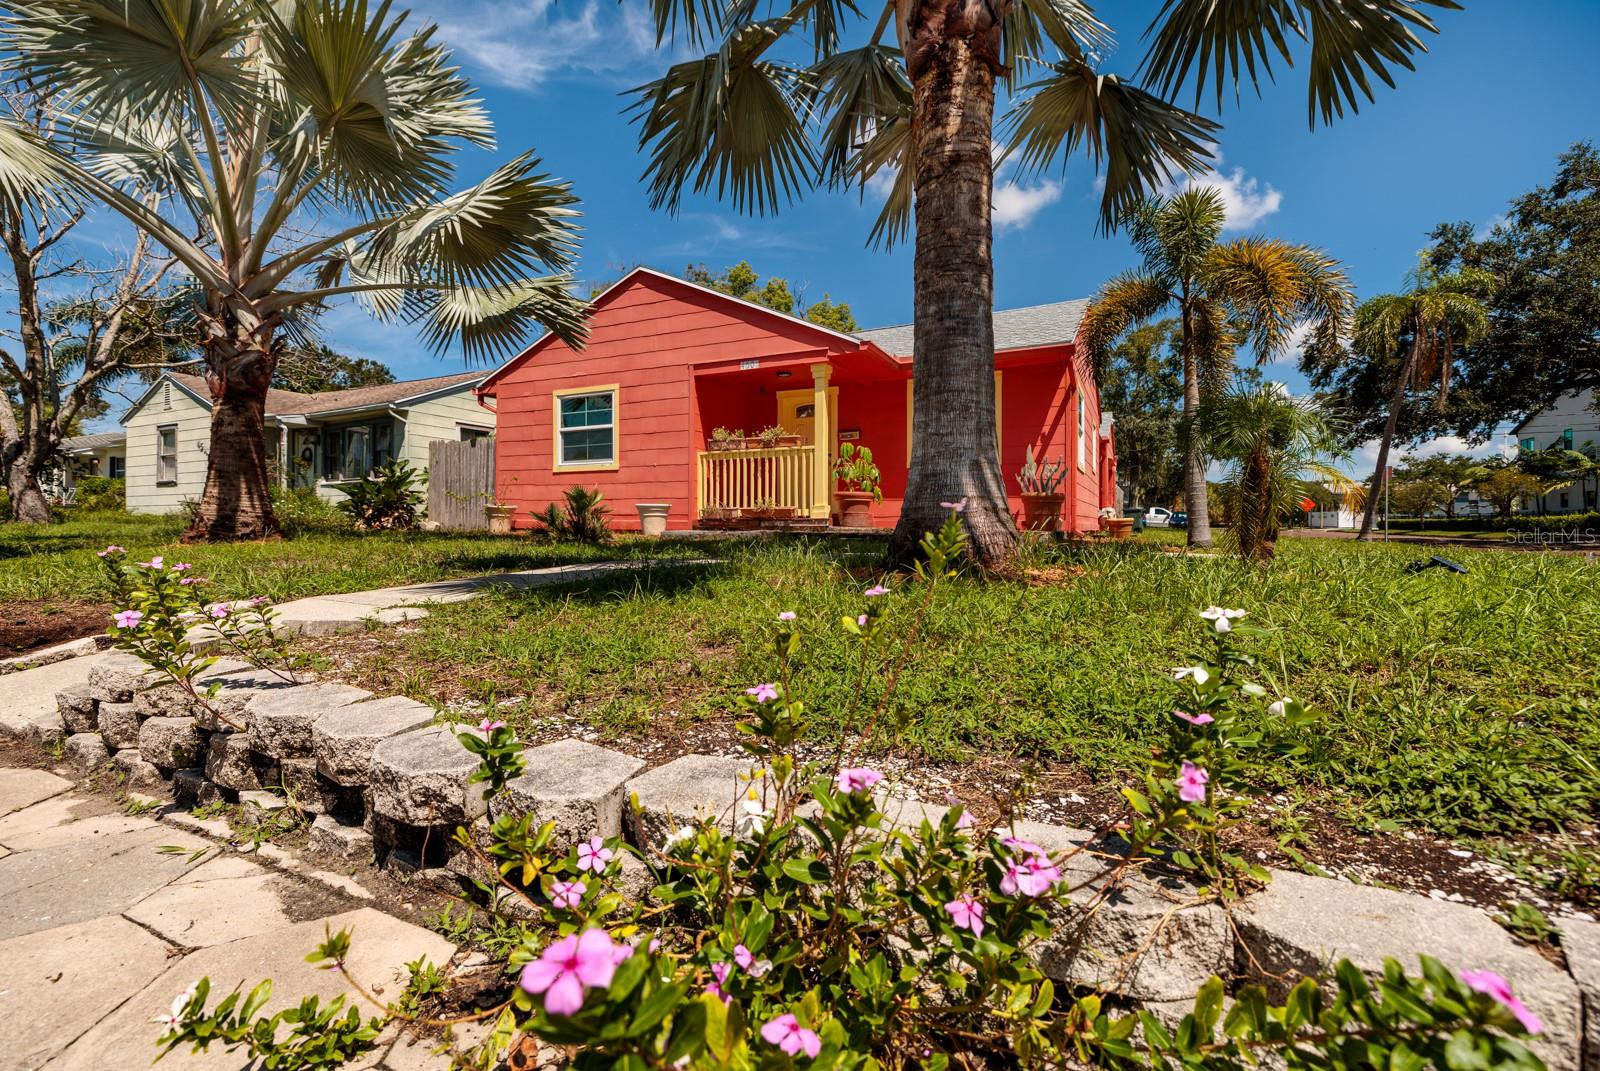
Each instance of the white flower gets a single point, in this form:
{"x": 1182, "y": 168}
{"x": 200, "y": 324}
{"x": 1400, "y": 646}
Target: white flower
{"x": 684, "y": 835}
{"x": 1276, "y": 709}
{"x": 1253, "y": 690}
{"x": 1222, "y": 617}
{"x": 754, "y": 819}
{"x": 1222, "y": 624}
{"x": 174, "y": 1018}
{"x": 1199, "y": 673}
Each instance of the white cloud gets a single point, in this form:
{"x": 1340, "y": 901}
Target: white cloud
{"x": 1487, "y": 227}
{"x": 1015, "y": 205}
{"x": 1365, "y": 457}
{"x": 523, "y": 44}
{"x": 1248, "y": 200}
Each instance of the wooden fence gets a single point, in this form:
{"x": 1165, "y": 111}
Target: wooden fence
{"x": 460, "y": 482}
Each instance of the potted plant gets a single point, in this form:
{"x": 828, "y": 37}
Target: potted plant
{"x": 774, "y": 436}
{"x": 1041, "y": 495}
{"x": 722, "y": 439}
{"x": 862, "y": 485}
{"x": 499, "y": 514}
{"x": 1116, "y": 526}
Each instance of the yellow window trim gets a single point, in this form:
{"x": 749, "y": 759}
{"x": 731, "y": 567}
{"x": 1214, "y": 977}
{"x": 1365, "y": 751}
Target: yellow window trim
{"x": 616, "y": 429}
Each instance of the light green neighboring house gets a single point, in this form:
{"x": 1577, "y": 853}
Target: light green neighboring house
{"x": 320, "y": 440}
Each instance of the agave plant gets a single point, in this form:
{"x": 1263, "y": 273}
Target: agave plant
{"x": 301, "y": 151}
{"x": 795, "y": 93}
{"x": 1272, "y": 444}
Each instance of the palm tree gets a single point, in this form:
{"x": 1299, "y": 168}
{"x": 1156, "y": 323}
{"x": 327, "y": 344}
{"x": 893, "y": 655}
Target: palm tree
{"x": 1255, "y": 290}
{"x": 1437, "y": 313}
{"x": 1272, "y": 443}
{"x": 303, "y": 150}
{"x": 761, "y": 124}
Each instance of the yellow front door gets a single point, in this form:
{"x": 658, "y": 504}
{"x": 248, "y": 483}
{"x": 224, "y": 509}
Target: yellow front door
{"x": 797, "y": 413}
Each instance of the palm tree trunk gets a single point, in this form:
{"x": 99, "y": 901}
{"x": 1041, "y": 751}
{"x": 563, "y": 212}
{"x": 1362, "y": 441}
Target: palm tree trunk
{"x": 1194, "y": 462}
{"x": 1399, "y": 399}
{"x": 953, "y": 59}
{"x": 235, "y": 504}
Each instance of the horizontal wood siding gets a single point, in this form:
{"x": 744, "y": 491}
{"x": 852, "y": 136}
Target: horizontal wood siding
{"x": 168, "y": 405}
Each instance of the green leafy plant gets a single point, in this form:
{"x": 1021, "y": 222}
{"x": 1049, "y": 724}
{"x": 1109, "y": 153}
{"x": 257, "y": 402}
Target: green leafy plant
{"x": 856, "y": 471}
{"x": 99, "y": 494}
{"x": 385, "y": 499}
{"x": 1527, "y": 923}
{"x": 581, "y": 518}
{"x": 770, "y": 435}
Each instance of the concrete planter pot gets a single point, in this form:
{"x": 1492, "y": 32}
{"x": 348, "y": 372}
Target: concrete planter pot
{"x": 652, "y": 517}
{"x": 855, "y": 508}
{"x": 1119, "y": 527}
{"x": 1042, "y": 513}
{"x": 499, "y": 518}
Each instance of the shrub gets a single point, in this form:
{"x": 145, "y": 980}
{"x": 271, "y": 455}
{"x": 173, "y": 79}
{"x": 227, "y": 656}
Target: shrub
{"x": 301, "y": 511}
{"x": 815, "y": 933}
{"x": 582, "y": 518}
{"x": 100, "y": 494}
{"x": 385, "y": 499}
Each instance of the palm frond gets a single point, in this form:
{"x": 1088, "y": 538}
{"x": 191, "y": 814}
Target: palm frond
{"x": 106, "y": 56}
{"x": 30, "y": 170}
{"x": 1124, "y": 302}
{"x": 1141, "y": 141}
{"x": 490, "y": 322}
{"x": 1274, "y": 286}
{"x": 890, "y": 148}
{"x": 855, "y": 93}
{"x": 1036, "y": 29}
{"x": 1227, "y": 44}
{"x": 731, "y": 120}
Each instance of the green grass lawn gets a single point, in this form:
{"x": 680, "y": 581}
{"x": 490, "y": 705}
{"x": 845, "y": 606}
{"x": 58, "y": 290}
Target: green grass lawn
{"x": 1467, "y": 703}
{"x": 57, "y": 561}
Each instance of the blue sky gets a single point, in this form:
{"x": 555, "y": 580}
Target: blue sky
{"x": 1506, "y": 86}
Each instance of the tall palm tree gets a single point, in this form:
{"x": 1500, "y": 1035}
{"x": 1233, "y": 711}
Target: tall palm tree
{"x": 1272, "y": 444}
{"x": 1225, "y": 294}
{"x": 303, "y": 150}
{"x": 1437, "y": 313}
{"x": 782, "y": 102}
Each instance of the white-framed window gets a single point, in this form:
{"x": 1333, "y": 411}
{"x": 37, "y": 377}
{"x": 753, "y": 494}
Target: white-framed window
{"x": 167, "y": 453}
{"x": 586, "y": 428}
{"x": 1082, "y": 434}
{"x": 471, "y": 433}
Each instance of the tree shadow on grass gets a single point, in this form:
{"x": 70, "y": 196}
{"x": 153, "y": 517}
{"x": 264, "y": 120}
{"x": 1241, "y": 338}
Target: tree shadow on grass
{"x": 662, "y": 579}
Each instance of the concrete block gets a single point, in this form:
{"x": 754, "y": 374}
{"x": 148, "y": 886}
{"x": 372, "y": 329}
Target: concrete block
{"x": 420, "y": 778}
{"x": 343, "y": 739}
{"x": 684, "y": 789}
{"x": 119, "y": 725}
{"x": 171, "y": 743}
{"x": 279, "y": 722}
{"x": 574, "y": 784}
{"x": 77, "y": 709}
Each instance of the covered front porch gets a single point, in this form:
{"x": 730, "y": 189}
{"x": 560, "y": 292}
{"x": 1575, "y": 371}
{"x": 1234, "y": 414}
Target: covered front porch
{"x": 766, "y": 434}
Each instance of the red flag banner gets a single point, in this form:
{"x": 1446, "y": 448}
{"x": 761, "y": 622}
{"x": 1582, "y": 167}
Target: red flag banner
{"x": 1308, "y": 504}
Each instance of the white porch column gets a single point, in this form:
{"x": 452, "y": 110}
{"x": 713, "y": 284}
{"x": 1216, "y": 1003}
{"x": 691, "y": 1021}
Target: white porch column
{"x": 823, "y": 436}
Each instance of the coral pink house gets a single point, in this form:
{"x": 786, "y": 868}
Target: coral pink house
{"x": 668, "y": 362}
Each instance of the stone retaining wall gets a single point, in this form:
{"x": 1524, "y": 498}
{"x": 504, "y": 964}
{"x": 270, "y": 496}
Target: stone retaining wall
{"x": 386, "y": 785}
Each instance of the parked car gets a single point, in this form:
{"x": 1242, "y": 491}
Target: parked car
{"x": 1158, "y": 517}
{"x": 1179, "y": 519}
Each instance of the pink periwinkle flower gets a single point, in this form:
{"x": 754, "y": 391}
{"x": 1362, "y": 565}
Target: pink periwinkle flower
{"x": 1201, "y": 718}
{"x": 566, "y": 968}
{"x": 743, "y": 957}
{"x": 594, "y": 855}
{"x": 153, "y": 563}
{"x": 791, "y": 1038}
{"x": 787, "y": 615}
{"x": 1500, "y": 990}
{"x": 110, "y": 550}
{"x": 487, "y": 726}
{"x": 128, "y": 618}
{"x": 182, "y": 567}
{"x": 220, "y": 611}
{"x": 719, "y": 972}
{"x": 1029, "y": 875}
{"x": 1192, "y": 783}
{"x": 955, "y": 507}
{"x": 567, "y": 894}
{"x": 186, "y": 581}
{"x": 966, "y": 914}
{"x": 857, "y": 779}
{"x": 862, "y": 621}
{"x": 763, "y": 693}
{"x": 875, "y": 590}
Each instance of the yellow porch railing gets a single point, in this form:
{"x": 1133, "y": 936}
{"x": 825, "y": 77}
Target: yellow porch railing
{"x": 783, "y": 477}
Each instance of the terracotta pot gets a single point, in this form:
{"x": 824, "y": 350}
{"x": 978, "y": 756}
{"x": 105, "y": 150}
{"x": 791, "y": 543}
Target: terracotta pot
{"x": 653, "y": 517}
{"x": 1119, "y": 527}
{"x": 722, "y": 446}
{"x": 500, "y": 519}
{"x": 1042, "y": 513}
{"x": 855, "y": 508}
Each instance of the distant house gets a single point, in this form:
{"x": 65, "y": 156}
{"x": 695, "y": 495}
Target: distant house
{"x": 101, "y": 454}
{"x": 1573, "y": 423}
{"x": 667, "y": 363}
{"x": 322, "y": 440}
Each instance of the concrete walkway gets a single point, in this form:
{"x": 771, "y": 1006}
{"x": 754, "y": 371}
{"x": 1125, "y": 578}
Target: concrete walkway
{"x": 101, "y": 929}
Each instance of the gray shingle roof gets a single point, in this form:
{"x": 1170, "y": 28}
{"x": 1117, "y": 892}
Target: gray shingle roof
{"x": 98, "y": 441}
{"x": 1014, "y": 329}
{"x": 284, "y": 401}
